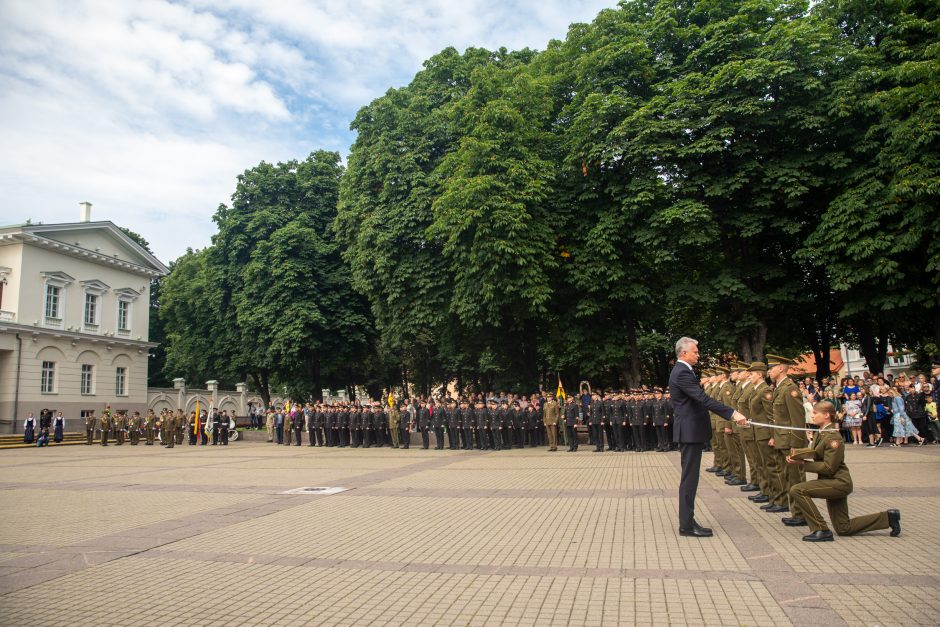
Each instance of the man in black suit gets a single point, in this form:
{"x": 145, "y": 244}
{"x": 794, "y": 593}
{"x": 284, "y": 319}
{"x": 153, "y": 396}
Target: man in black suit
{"x": 692, "y": 429}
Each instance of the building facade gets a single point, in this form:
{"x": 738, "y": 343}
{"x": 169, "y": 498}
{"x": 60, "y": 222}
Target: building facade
{"x": 74, "y": 320}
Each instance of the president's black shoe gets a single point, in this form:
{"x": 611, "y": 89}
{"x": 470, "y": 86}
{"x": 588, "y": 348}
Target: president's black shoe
{"x": 776, "y": 509}
{"x": 759, "y": 498}
{"x": 823, "y": 535}
{"x": 894, "y": 520}
{"x": 750, "y": 487}
{"x": 696, "y": 532}
{"x": 794, "y": 522}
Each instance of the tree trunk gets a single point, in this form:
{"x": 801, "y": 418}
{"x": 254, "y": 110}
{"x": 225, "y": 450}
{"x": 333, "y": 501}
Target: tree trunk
{"x": 633, "y": 365}
{"x": 752, "y": 343}
{"x": 874, "y": 349}
{"x": 261, "y": 382}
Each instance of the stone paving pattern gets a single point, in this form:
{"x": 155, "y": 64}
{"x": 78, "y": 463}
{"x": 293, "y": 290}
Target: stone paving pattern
{"x": 203, "y": 536}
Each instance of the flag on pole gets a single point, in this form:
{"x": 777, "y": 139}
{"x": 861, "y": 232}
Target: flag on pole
{"x": 196, "y": 422}
{"x": 391, "y": 399}
{"x": 560, "y": 392}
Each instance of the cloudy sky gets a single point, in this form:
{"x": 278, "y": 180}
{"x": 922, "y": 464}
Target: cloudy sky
{"x": 149, "y": 109}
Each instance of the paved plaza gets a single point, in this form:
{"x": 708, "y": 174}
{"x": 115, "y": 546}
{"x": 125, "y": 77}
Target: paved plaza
{"x": 204, "y": 536}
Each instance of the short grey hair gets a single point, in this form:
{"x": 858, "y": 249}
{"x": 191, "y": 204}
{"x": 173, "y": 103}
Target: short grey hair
{"x": 682, "y": 346}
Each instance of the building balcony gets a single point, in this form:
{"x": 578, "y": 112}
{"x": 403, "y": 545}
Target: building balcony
{"x": 7, "y": 316}
{"x": 54, "y": 323}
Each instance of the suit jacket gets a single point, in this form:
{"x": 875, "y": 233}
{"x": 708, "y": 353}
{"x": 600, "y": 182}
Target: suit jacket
{"x": 691, "y": 406}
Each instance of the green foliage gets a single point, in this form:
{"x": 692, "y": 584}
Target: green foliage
{"x": 754, "y": 173}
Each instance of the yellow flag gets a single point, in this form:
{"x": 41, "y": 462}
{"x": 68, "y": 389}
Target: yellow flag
{"x": 391, "y": 399}
{"x": 560, "y": 392}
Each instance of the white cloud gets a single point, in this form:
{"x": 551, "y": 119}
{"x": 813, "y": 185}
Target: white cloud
{"x": 150, "y": 109}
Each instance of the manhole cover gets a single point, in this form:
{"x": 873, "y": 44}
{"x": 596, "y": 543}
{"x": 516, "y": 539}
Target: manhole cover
{"x": 317, "y": 490}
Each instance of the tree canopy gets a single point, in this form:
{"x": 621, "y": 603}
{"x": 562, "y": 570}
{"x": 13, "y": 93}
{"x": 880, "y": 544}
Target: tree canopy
{"x": 760, "y": 174}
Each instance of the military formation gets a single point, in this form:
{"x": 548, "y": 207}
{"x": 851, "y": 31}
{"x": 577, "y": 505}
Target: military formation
{"x": 618, "y": 421}
{"x": 759, "y": 457}
{"x": 169, "y": 429}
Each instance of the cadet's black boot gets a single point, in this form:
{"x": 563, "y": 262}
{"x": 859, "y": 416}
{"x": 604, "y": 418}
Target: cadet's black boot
{"x": 794, "y": 522}
{"x": 894, "y": 520}
{"x": 823, "y": 535}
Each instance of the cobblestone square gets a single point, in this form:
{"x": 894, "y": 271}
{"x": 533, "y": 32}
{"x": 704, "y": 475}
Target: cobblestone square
{"x": 204, "y": 535}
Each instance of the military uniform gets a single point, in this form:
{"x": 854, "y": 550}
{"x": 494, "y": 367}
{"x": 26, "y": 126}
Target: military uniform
{"x": 760, "y": 409}
{"x": 439, "y": 420}
{"x": 120, "y": 425}
{"x": 787, "y": 408}
{"x": 169, "y": 429}
{"x": 550, "y": 420}
{"x": 453, "y": 426}
{"x": 150, "y": 428}
{"x": 104, "y": 423}
{"x": 90, "y": 422}
{"x": 834, "y": 483}
{"x": 746, "y": 432}
{"x": 134, "y": 428}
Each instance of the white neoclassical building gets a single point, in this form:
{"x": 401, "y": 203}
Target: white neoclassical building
{"x": 74, "y": 318}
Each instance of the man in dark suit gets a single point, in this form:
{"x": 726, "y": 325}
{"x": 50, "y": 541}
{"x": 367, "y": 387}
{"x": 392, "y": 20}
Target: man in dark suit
{"x": 692, "y": 429}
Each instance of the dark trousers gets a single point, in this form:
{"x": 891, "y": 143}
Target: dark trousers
{"x": 598, "y": 431}
{"x": 279, "y": 430}
{"x": 691, "y": 457}
{"x": 344, "y": 436}
{"x": 405, "y": 436}
{"x": 662, "y": 444}
{"x": 639, "y": 437}
{"x": 223, "y": 434}
{"x": 453, "y": 439}
{"x": 467, "y": 438}
{"x": 572, "y": 437}
{"x": 619, "y": 438}
{"x": 439, "y": 437}
{"x": 297, "y": 433}
{"x": 425, "y": 437}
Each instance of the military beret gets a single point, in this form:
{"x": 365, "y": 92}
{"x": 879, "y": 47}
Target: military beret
{"x": 777, "y": 360}
{"x": 757, "y": 366}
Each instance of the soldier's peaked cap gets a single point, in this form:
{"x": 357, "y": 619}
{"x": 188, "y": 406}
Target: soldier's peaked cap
{"x": 777, "y": 360}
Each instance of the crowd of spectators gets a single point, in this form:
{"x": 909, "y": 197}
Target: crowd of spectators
{"x": 877, "y": 409}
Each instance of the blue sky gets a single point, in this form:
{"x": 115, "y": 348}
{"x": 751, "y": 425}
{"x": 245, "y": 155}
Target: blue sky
{"x": 150, "y": 109}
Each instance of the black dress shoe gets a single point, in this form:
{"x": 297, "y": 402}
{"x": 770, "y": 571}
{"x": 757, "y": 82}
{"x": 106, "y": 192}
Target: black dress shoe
{"x": 794, "y": 522}
{"x": 823, "y": 535}
{"x": 713, "y": 469}
{"x": 696, "y": 532}
{"x": 735, "y": 482}
{"x": 894, "y": 520}
{"x": 700, "y": 528}
{"x": 759, "y": 498}
{"x": 767, "y": 506}
{"x": 776, "y": 509}
{"x": 750, "y": 487}
{"x": 722, "y": 473}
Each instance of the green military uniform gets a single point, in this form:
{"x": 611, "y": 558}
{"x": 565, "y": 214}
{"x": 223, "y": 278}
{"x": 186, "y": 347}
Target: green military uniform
{"x": 394, "y": 420}
{"x": 760, "y": 409}
{"x": 90, "y": 422}
{"x": 745, "y": 434}
{"x": 730, "y": 393}
{"x": 169, "y": 429}
{"x": 718, "y": 438}
{"x": 550, "y": 420}
{"x": 787, "y": 408}
{"x": 120, "y": 424}
{"x": 134, "y": 428}
{"x": 150, "y": 427}
{"x": 105, "y": 424}
{"x": 833, "y": 484}
{"x": 180, "y": 424}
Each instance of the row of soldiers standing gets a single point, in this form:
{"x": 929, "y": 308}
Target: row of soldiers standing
{"x": 627, "y": 420}
{"x": 484, "y": 426}
{"x": 754, "y": 456}
{"x": 171, "y": 426}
